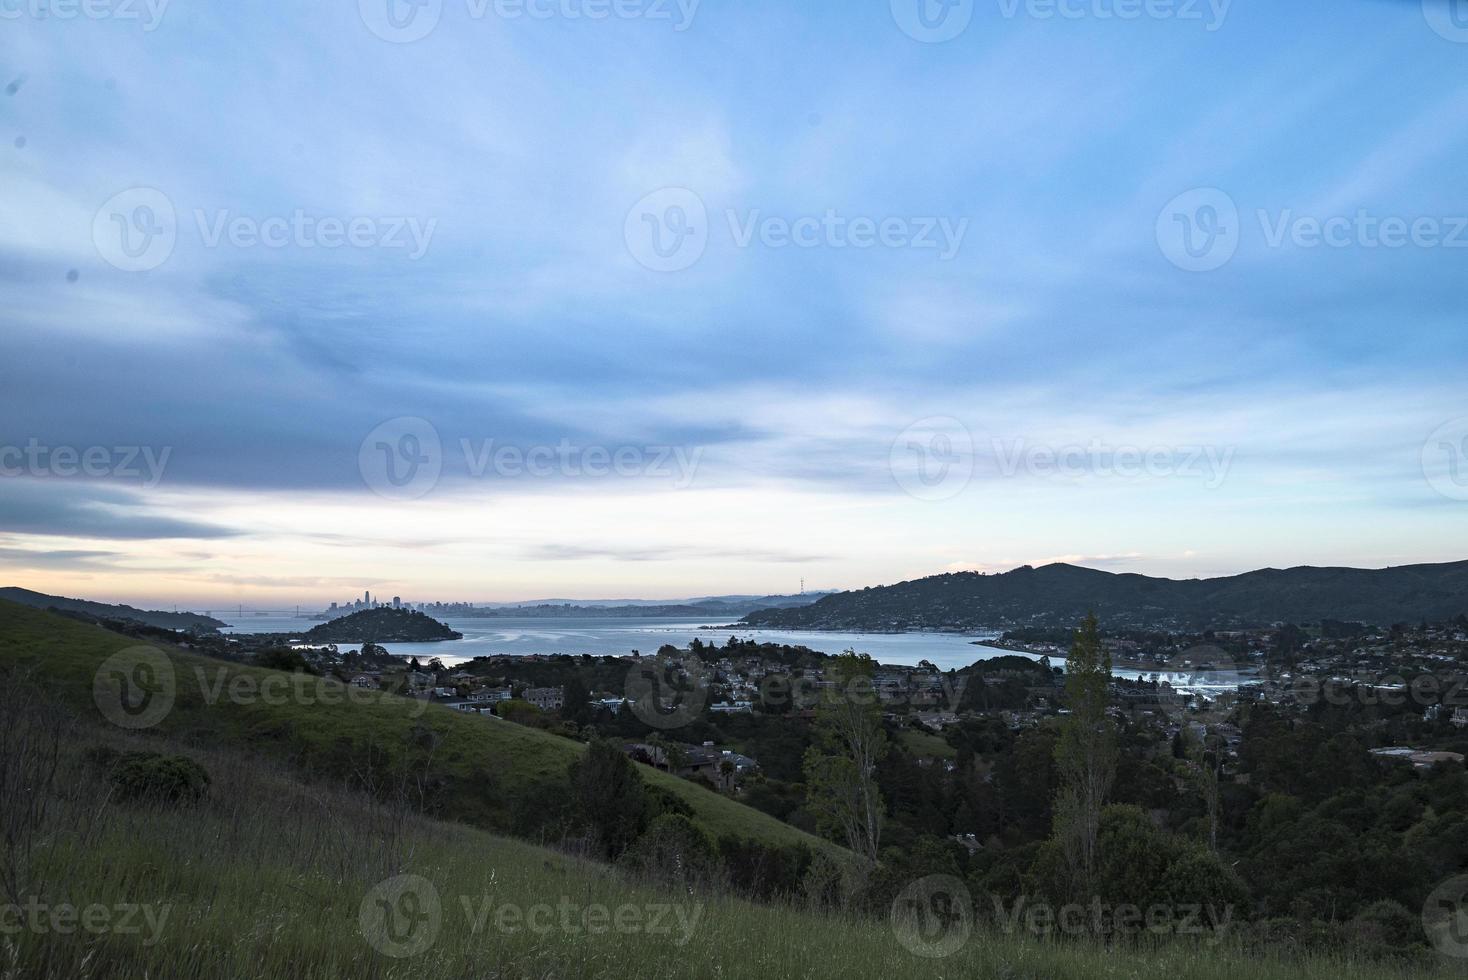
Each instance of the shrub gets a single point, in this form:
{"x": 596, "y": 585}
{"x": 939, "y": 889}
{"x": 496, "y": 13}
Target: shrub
{"x": 665, "y": 801}
{"x": 764, "y": 871}
{"x": 522, "y": 713}
{"x": 153, "y": 777}
{"x": 673, "y": 849}
{"x": 1387, "y": 929}
{"x": 284, "y": 658}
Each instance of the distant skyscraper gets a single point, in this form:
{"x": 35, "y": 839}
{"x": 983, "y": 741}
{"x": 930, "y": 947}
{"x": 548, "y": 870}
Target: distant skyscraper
{"x": 397, "y": 602}
{"x": 367, "y": 599}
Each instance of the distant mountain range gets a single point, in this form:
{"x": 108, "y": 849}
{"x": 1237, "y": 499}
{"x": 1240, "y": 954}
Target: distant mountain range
{"x": 105, "y": 610}
{"x": 747, "y": 601}
{"x": 713, "y": 607}
{"x": 1062, "y": 594}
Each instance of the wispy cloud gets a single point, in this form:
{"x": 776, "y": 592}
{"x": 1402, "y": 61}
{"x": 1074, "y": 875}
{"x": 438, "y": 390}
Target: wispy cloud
{"x": 75, "y": 510}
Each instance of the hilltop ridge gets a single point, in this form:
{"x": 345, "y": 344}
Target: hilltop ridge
{"x": 1060, "y": 594}
{"x": 107, "y": 610}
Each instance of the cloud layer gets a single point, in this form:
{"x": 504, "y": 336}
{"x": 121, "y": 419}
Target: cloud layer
{"x": 445, "y": 230}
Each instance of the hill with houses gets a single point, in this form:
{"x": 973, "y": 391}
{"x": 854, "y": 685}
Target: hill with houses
{"x": 1062, "y": 594}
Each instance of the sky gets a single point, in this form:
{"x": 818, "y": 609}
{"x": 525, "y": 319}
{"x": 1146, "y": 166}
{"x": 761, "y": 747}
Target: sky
{"x": 501, "y": 299}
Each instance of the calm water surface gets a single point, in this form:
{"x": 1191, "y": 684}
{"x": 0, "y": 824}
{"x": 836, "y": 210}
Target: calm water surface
{"x": 598, "y": 636}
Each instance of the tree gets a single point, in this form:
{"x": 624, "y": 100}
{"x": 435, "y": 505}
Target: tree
{"x": 840, "y": 766}
{"x": 1142, "y": 865}
{"x": 1209, "y": 762}
{"x": 283, "y": 658}
{"x": 610, "y": 798}
{"x": 521, "y": 713}
{"x": 668, "y": 754}
{"x": 1085, "y": 755}
{"x": 576, "y": 700}
{"x": 1026, "y": 779}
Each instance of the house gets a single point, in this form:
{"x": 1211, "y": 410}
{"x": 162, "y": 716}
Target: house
{"x": 546, "y": 698}
{"x": 700, "y": 762}
{"x": 1460, "y": 717}
{"x": 704, "y": 761}
{"x": 488, "y": 695}
{"x": 742, "y": 763}
{"x": 690, "y": 760}
{"x": 366, "y": 681}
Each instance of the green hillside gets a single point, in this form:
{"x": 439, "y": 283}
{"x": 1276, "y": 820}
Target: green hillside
{"x": 266, "y": 876}
{"x": 484, "y": 771}
{"x": 264, "y": 873}
{"x": 105, "y": 610}
{"x": 1062, "y": 594}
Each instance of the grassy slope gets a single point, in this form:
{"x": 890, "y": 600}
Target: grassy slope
{"x": 268, "y": 878}
{"x": 925, "y": 745}
{"x": 488, "y": 763}
{"x": 270, "y": 875}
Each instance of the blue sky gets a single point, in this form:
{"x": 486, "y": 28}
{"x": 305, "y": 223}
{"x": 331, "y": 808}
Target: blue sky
{"x": 1039, "y": 180}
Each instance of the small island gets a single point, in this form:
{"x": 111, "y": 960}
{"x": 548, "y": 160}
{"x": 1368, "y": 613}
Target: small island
{"x": 382, "y": 625}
